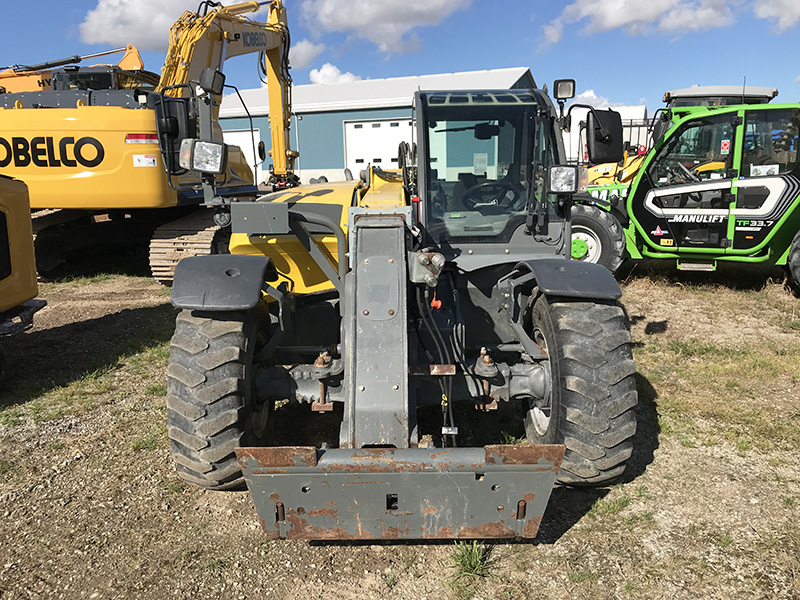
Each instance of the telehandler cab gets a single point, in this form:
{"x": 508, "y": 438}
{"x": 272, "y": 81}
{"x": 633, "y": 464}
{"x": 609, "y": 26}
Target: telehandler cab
{"x": 446, "y": 281}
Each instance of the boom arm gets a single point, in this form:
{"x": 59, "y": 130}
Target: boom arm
{"x": 198, "y": 42}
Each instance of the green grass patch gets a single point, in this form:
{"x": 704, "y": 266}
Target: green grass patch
{"x": 707, "y": 392}
{"x": 608, "y": 506}
{"x": 582, "y": 576}
{"x": 472, "y": 559}
{"x": 156, "y": 389}
{"x": 508, "y": 438}
{"x": 154, "y": 438}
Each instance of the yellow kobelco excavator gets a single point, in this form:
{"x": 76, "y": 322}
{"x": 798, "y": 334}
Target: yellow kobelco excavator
{"x": 90, "y": 152}
{"x": 128, "y": 72}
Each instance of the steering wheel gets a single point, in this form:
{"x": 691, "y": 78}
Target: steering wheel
{"x": 496, "y": 190}
{"x": 680, "y": 169}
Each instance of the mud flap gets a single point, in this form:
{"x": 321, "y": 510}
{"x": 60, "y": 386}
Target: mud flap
{"x": 412, "y": 493}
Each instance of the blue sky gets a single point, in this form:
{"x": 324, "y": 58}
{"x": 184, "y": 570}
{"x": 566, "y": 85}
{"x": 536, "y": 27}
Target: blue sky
{"x": 622, "y": 52}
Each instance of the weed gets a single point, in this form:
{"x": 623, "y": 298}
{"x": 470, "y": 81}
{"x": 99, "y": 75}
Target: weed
{"x": 582, "y": 576}
{"x": 156, "y": 389}
{"x": 8, "y": 468}
{"x": 724, "y": 541}
{"x": 152, "y": 439}
{"x": 174, "y": 486}
{"x": 507, "y": 438}
{"x": 789, "y": 501}
{"x": 390, "y": 580}
{"x": 612, "y": 506}
{"x": 215, "y": 565}
{"x": 472, "y": 559}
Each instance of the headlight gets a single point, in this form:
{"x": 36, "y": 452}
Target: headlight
{"x": 203, "y": 156}
{"x": 563, "y": 179}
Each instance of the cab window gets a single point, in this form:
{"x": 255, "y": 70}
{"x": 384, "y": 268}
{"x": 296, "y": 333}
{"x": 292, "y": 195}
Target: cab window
{"x": 770, "y": 142}
{"x": 701, "y": 150}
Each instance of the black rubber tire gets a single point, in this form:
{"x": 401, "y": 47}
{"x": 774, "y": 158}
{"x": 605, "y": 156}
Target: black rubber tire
{"x": 593, "y": 394}
{"x": 211, "y": 406}
{"x": 793, "y": 265}
{"x": 606, "y": 232}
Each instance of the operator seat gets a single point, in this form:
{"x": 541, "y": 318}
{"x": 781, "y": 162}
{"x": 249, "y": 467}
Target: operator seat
{"x": 465, "y": 182}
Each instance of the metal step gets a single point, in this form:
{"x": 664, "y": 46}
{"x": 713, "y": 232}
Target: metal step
{"x": 697, "y": 266}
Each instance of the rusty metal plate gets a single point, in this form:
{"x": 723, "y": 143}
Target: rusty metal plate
{"x": 414, "y": 493}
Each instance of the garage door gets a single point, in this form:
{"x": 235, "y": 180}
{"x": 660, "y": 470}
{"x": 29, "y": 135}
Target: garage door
{"x": 374, "y": 142}
{"x": 248, "y": 141}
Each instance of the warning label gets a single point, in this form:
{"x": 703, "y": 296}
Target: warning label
{"x": 145, "y": 160}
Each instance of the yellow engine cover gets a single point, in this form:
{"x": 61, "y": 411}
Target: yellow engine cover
{"x": 94, "y": 157}
{"x": 294, "y": 264}
{"x": 17, "y": 264}
{"x": 88, "y": 157}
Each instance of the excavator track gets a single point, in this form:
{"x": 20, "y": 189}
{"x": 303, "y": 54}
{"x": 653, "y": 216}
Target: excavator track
{"x": 192, "y": 235}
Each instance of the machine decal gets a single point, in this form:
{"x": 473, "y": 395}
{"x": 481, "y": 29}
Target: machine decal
{"x": 758, "y": 225}
{"x": 725, "y": 147}
{"x": 653, "y": 196}
{"x": 42, "y": 152}
{"x": 697, "y": 218}
{"x": 145, "y": 160}
{"x": 782, "y": 192}
{"x": 254, "y": 39}
{"x": 666, "y": 242}
{"x": 658, "y": 232}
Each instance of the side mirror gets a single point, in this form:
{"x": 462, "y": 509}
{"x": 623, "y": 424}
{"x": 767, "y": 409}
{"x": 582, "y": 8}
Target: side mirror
{"x": 604, "y": 136}
{"x": 262, "y": 151}
{"x": 484, "y": 131}
{"x": 212, "y": 81}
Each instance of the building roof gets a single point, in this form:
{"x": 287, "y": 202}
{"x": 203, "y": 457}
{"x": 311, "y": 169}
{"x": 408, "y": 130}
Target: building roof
{"x": 376, "y": 93}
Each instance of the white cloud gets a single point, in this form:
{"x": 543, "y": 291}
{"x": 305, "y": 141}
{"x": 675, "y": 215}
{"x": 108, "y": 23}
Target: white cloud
{"x": 639, "y": 18}
{"x": 388, "y": 24}
{"x": 144, "y": 23}
{"x": 303, "y": 53}
{"x": 787, "y": 12}
{"x": 329, "y": 73}
{"x": 589, "y": 97}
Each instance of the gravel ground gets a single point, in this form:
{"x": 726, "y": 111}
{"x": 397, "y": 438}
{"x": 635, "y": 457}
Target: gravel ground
{"x": 91, "y": 507}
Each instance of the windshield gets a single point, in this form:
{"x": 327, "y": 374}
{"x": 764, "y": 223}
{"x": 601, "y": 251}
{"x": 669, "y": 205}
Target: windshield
{"x": 485, "y": 156}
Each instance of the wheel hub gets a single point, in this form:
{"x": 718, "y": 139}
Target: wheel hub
{"x": 579, "y": 248}
{"x": 586, "y": 246}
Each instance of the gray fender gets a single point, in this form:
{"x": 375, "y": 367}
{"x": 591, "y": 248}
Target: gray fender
{"x": 573, "y": 279}
{"x": 219, "y": 282}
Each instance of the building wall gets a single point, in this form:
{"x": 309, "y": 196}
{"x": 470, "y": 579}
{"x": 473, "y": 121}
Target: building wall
{"x": 319, "y": 137}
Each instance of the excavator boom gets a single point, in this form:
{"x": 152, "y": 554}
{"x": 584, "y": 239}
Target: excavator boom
{"x": 202, "y": 41}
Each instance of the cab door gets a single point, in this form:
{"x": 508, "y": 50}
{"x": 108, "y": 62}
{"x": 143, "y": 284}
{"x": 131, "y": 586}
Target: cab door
{"x": 768, "y": 186}
{"x": 684, "y": 198}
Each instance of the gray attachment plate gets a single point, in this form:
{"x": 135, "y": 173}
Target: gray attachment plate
{"x": 386, "y": 493}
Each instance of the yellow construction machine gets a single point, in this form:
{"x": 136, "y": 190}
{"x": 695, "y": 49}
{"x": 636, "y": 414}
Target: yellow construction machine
{"x": 128, "y": 72}
{"x": 95, "y": 158}
{"x": 18, "y": 286}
